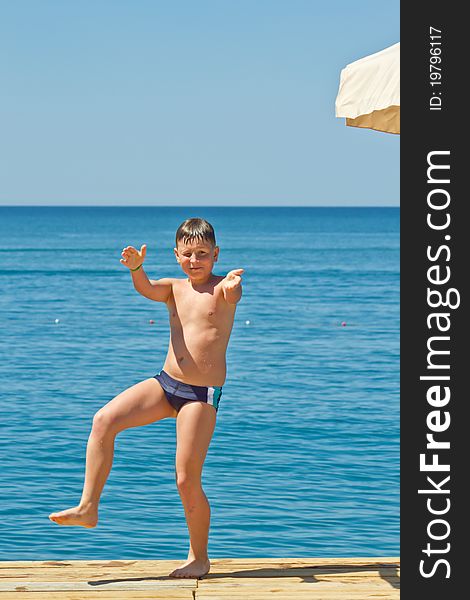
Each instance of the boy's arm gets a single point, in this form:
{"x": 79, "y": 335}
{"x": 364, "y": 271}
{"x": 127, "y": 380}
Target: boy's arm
{"x": 158, "y": 290}
{"x": 232, "y": 286}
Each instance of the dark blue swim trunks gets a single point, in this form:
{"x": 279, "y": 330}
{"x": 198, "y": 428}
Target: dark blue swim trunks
{"x": 179, "y": 393}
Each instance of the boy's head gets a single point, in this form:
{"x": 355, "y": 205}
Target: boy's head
{"x": 195, "y": 229}
{"x": 196, "y": 250}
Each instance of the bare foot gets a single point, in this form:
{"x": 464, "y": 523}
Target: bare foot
{"x": 76, "y": 516}
{"x": 192, "y": 569}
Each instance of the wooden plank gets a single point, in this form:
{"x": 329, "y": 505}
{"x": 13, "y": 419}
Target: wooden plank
{"x": 317, "y": 595}
{"x": 92, "y": 575}
{"x": 214, "y": 575}
{"x": 81, "y": 586}
{"x": 270, "y": 584}
{"x": 295, "y": 582}
{"x": 307, "y": 574}
{"x": 161, "y": 569}
{"x": 317, "y": 591}
{"x": 237, "y": 581}
{"x": 181, "y": 594}
{"x": 78, "y": 570}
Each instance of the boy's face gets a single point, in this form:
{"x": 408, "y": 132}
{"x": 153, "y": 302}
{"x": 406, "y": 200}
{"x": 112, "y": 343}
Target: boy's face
{"x": 196, "y": 257}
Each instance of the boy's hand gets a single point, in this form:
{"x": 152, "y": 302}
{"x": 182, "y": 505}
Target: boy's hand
{"x": 231, "y": 285}
{"x": 232, "y": 280}
{"x": 132, "y": 258}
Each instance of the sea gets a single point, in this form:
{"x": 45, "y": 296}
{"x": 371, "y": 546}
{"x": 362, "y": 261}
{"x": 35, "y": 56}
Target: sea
{"x": 304, "y": 461}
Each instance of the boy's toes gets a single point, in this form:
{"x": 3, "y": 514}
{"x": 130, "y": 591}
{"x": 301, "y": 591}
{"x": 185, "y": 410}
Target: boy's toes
{"x": 179, "y": 573}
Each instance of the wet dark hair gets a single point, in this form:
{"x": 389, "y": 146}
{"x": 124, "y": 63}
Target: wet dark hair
{"x": 195, "y": 229}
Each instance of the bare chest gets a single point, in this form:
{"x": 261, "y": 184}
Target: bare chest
{"x": 190, "y": 306}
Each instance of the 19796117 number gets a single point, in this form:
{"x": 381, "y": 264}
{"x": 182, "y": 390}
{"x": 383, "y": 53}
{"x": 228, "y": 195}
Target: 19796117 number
{"x": 435, "y": 75}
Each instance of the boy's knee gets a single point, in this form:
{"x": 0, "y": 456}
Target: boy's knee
{"x": 103, "y": 422}
{"x": 186, "y": 483}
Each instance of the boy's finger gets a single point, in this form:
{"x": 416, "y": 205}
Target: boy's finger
{"x": 143, "y": 250}
{"x": 235, "y": 273}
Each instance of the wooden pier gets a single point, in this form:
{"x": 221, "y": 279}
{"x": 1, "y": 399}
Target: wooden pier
{"x": 229, "y": 579}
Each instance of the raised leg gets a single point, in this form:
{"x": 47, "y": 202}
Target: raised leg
{"x": 195, "y": 425}
{"x": 140, "y": 404}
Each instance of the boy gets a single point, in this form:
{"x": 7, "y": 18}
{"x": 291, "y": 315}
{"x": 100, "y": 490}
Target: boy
{"x": 201, "y": 311}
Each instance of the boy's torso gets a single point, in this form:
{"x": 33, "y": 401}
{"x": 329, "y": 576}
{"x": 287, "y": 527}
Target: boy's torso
{"x": 200, "y": 325}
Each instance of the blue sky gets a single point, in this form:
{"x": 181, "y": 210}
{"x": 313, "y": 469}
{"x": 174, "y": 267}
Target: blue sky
{"x": 189, "y": 102}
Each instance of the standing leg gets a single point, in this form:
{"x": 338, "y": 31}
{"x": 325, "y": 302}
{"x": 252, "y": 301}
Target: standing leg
{"x": 195, "y": 425}
{"x": 140, "y": 404}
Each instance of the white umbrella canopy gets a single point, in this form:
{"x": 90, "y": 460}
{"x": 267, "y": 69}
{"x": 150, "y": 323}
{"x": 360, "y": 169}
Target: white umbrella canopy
{"x": 369, "y": 91}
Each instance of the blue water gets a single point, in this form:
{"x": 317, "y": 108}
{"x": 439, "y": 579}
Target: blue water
{"x": 305, "y": 457}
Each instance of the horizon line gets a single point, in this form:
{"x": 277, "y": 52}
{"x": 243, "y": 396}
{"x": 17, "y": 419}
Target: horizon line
{"x": 200, "y": 205}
